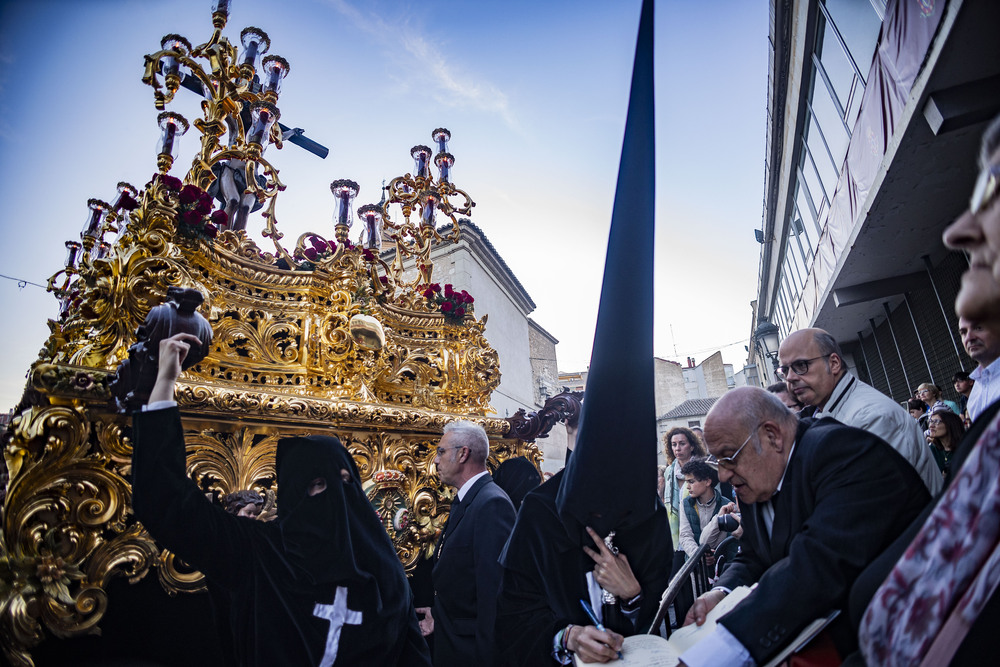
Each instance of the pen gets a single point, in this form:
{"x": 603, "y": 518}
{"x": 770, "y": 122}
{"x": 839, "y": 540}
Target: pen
{"x": 600, "y": 626}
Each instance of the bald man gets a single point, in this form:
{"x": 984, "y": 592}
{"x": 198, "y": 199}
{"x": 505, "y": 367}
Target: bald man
{"x": 820, "y": 501}
{"x": 812, "y": 365}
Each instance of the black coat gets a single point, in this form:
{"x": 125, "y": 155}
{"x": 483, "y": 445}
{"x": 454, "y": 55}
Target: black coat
{"x": 845, "y": 497}
{"x": 467, "y": 576}
{"x": 276, "y": 612}
{"x": 545, "y": 573}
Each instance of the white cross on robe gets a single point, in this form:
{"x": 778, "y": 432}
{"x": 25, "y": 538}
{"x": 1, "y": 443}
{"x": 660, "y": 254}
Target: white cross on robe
{"x": 339, "y": 615}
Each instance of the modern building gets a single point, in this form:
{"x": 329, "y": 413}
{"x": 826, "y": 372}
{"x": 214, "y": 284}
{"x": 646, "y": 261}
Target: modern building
{"x": 875, "y": 111}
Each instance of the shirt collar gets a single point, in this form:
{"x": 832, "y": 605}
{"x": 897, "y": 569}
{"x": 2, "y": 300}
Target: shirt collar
{"x": 468, "y": 485}
{"x": 838, "y": 394}
{"x": 987, "y": 371}
{"x": 781, "y": 481}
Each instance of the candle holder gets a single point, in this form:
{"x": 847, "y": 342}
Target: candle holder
{"x": 275, "y": 69}
{"x": 345, "y": 190}
{"x": 172, "y": 127}
{"x": 372, "y": 216}
{"x": 255, "y": 44}
{"x": 441, "y": 137}
{"x": 93, "y": 228}
{"x": 220, "y": 13}
{"x": 174, "y": 46}
{"x": 421, "y": 162}
{"x": 444, "y": 162}
{"x": 263, "y": 116}
{"x": 72, "y": 254}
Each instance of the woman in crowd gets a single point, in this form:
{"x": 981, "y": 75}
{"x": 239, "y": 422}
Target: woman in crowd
{"x": 680, "y": 445}
{"x": 945, "y": 430}
{"x": 930, "y": 394}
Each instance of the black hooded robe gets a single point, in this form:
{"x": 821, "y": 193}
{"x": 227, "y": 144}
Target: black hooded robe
{"x": 545, "y": 572}
{"x": 320, "y": 586}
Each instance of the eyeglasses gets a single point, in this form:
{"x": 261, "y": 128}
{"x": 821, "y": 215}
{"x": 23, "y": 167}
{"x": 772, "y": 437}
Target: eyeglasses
{"x": 934, "y": 422}
{"x": 446, "y": 449}
{"x": 985, "y": 190}
{"x": 729, "y": 462}
{"x": 799, "y": 366}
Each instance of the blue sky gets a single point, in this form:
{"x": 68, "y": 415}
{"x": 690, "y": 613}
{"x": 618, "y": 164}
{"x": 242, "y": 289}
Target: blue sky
{"x": 534, "y": 94}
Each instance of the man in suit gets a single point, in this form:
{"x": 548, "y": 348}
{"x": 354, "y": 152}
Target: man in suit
{"x": 820, "y": 501}
{"x": 466, "y": 571}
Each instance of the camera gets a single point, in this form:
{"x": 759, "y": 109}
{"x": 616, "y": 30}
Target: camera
{"x": 729, "y": 522}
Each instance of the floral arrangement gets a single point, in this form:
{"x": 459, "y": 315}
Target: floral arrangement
{"x": 195, "y": 218}
{"x": 318, "y": 251}
{"x": 451, "y": 303}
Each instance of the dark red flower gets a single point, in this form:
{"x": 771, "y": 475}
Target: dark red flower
{"x": 211, "y": 230}
{"x": 190, "y": 193}
{"x": 436, "y": 287}
{"x": 469, "y": 299}
{"x": 429, "y": 293}
{"x": 383, "y": 280}
{"x": 311, "y": 254}
{"x": 204, "y": 204}
{"x": 448, "y": 291}
{"x": 171, "y": 182}
{"x": 317, "y": 243}
{"x": 446, "y": 307}
{"x": 126, "y": 202}
{"x": 219, "y": 218}
{"x": 192, "y": 218}
{"x": 332, "y": 245}
{"x": 460, "y": 311}
{"x": 368, "y": 255}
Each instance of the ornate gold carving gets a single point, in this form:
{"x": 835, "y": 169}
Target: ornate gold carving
{"x": 282, "y": 362}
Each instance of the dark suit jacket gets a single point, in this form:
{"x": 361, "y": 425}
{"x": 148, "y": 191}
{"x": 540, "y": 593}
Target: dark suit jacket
{"x": 846, "y": 496}
{"x": 467, "y": 576}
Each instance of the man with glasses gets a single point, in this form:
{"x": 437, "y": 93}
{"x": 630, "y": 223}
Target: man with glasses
{"x": 812, "y": 365}
{"x": 820, "y": 501}
{"x": 466, "y": 570}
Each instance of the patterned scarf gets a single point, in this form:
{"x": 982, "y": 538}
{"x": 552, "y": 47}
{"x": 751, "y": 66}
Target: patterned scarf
{"x": 923, "y": 610}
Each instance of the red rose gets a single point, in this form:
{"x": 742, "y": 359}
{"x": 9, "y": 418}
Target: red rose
{"x": 126, "y": 202}
{"x": 171, "y": 182}
{"x": 317, "y": 243}
{"x": 446, "y": 307}
{"x": 211, "y": 230}
{"x": 219, "y": 218}
{"x": 436, "y": 287}
{"x": 429, "y": 293}
{"x": 383, "y": 280}
{"x": 469, "y": 299}
{"x": 190, "y": 193}
{"x": 368, "y": 255}
{"x": 332, "y": 245}
{"x": 204, "y": 204}
{"x": 192, "y": 218}
{"x": 448, "y": 291}
{"x": 310, "y": 254}
{"x": 460, "y": 311}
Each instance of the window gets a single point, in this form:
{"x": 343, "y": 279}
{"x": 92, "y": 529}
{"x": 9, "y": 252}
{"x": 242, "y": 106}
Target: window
{"x": 858, "y": 24}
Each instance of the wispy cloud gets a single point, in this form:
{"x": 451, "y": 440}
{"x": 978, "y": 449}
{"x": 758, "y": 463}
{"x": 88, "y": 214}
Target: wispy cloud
{"x": 435, "y": 73}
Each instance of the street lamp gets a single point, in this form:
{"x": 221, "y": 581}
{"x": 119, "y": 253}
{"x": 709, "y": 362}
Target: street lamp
{"x": 766, "y": 336}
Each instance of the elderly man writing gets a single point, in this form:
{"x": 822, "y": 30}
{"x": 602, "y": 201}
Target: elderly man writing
{"x": 820, "y": 501}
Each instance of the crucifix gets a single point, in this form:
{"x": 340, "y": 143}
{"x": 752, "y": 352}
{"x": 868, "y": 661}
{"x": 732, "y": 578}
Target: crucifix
{"x": 339, "y": 615}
